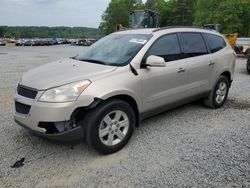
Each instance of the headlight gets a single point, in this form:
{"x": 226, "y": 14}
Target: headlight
{"x": 65, "y": 93}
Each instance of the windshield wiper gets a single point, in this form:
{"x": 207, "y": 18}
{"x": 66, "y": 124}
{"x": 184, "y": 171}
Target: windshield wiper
{"x": 74, "y": 57}
{"x": 93, "y": 61}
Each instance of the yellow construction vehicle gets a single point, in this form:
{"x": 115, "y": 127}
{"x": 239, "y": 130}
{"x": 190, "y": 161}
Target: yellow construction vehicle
{"x": 145, "y": 18}
{"x": 230, "y": 37}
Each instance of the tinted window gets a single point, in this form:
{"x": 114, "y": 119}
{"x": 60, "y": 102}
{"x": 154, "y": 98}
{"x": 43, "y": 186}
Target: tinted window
{"x": 192, "y": 44}
{"x": 167, "y": 47}
{"x": 215, "y": 43}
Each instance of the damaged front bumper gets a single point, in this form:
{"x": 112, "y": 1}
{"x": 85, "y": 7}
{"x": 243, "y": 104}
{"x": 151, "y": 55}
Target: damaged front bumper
{"x": 55, "y": 121}
{"x": 70, "y": 135}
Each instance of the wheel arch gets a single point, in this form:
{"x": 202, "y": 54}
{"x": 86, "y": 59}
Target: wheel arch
{"x": 227, "y": 74}
{"x": 132, "y": 102}
{"x": 80, "y": 112}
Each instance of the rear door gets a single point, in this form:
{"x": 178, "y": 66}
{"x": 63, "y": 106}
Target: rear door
{"x": 200, "y": 62}
{"x": 220, "y": 57}
{"x": 164, "y": 85}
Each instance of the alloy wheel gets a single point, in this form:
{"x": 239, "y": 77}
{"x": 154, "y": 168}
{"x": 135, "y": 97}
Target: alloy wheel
{"x": 113, "y": 128}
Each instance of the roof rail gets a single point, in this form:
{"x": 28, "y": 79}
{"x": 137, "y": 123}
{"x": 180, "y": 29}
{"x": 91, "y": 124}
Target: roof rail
{"x": 173, "y": 27}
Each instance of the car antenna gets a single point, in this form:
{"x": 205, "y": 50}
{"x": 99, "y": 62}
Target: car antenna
{"x": 133, "y": 70}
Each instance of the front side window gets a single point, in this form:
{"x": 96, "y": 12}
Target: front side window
{"x": 115, "y": 49}
{"x": 166, "y": 47}
{"x": 214, "y": 42}
{"x": 192, "y": 44}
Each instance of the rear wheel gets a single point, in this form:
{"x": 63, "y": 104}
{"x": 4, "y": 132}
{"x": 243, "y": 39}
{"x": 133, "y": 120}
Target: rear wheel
{"x": 110, "y": 126}
{"x": 218, "y": 95}
{"x": 248, "y": 65}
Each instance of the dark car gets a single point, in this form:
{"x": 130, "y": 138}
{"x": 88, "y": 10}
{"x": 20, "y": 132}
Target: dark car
{"x": 248, "y": 64}
{"x": 28, "y": 43}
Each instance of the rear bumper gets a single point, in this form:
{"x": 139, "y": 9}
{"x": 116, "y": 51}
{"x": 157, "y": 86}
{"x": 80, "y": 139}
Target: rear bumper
{"x": 72, "y": 135}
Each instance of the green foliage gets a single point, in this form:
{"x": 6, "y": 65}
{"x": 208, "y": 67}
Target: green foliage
{"x": 232, "y": 15}
{"x": 175, "y": 12}
{"x": 172, "y": 12}
{"x": 1, "y": 32}
{"x": 183, "y": 11}
{"x": 205, "y": 12}
{"x": 48, "y": 32}
{"x": 162, "y": 8}
{"x": 117, "y": 12}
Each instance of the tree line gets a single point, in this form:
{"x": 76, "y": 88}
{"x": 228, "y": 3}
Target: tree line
{"x": 232, "y": 15}
{"x": 48, "y": 32}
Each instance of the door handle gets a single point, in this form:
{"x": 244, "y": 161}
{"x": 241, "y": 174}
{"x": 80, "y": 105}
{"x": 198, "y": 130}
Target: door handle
{"x": 211, "y": 63}
{"x": 181, "y": 70}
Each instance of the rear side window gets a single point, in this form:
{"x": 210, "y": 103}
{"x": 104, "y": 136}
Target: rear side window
{"x": 167, "y": 47}
{"x": 192, "y": 44}
{"x": 215, "y": 43}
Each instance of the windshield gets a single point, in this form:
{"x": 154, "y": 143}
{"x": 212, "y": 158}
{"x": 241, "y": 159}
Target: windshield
{"x": 115, "y": 49}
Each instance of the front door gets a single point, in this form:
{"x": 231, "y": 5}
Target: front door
{"x": 164, "y": 85}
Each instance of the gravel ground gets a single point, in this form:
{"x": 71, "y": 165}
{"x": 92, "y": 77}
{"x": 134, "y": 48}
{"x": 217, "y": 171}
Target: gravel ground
{"x": 190, "y": 146}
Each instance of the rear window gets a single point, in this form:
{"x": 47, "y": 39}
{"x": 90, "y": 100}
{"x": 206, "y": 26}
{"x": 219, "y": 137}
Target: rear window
{"x": 192, "y": 44}
{"x": 215, "y": 43}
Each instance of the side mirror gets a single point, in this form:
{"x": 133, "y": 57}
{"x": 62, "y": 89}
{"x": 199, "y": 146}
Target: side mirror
{"x": 155, "y": 61}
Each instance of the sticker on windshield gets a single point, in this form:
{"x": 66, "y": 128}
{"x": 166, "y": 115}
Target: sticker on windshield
{"x": 138, "y": 41}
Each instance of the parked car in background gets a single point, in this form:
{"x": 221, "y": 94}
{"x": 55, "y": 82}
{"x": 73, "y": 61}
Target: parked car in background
{"x": 80, "y": 42}
{"x": 2, "y": 43}
{"x": 103, "y": 93}
{"x": 242, "y": 46}
{"x": 83, "y": 42}
{"x": 19, "y": 42}
{"x": 40, "y": 42}
{"x": 27, "y": 42}
{"x": 89, "y": 42}
{"x": 73, "y": 41}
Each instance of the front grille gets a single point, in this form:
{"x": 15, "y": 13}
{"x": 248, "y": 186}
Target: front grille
{"x": 26, "y": 92}
{"x": 22, "y": 108}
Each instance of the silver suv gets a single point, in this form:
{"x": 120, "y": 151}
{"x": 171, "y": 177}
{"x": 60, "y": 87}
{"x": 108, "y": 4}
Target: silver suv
{"x": 104, "y": 93}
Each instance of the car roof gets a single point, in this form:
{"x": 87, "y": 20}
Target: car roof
{"x": 137, "y": 31}
{"x": 168, "y": 30}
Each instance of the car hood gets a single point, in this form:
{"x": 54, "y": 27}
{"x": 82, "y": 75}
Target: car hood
{"x": 63, "y": 72}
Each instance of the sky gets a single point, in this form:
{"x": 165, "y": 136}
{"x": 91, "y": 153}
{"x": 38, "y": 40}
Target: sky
{"x": 71, "y": 13}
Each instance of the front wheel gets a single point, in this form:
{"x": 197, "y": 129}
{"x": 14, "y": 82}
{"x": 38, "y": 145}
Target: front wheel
{"x": 248, "y": 65}
{"x": 218, "y": 95}
{"x": 110, "y": 126}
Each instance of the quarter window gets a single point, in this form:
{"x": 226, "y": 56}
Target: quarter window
{"x": 167, "y": 47}
{"x": 215, "y": 43}
{"x": 192, "y": 44}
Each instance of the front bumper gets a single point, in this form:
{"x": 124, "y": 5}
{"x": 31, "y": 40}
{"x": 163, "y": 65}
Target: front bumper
{"x": 50, "y": 113}
{"x": 75, "y": 134}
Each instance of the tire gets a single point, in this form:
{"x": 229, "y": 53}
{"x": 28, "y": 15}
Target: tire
{"x": 110, "y": 126}
{"x": 218, "y": 95}
{"x": 248, "y": 65}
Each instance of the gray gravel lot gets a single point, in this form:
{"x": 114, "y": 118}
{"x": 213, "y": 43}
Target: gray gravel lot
{"x": 190, "y": 146}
